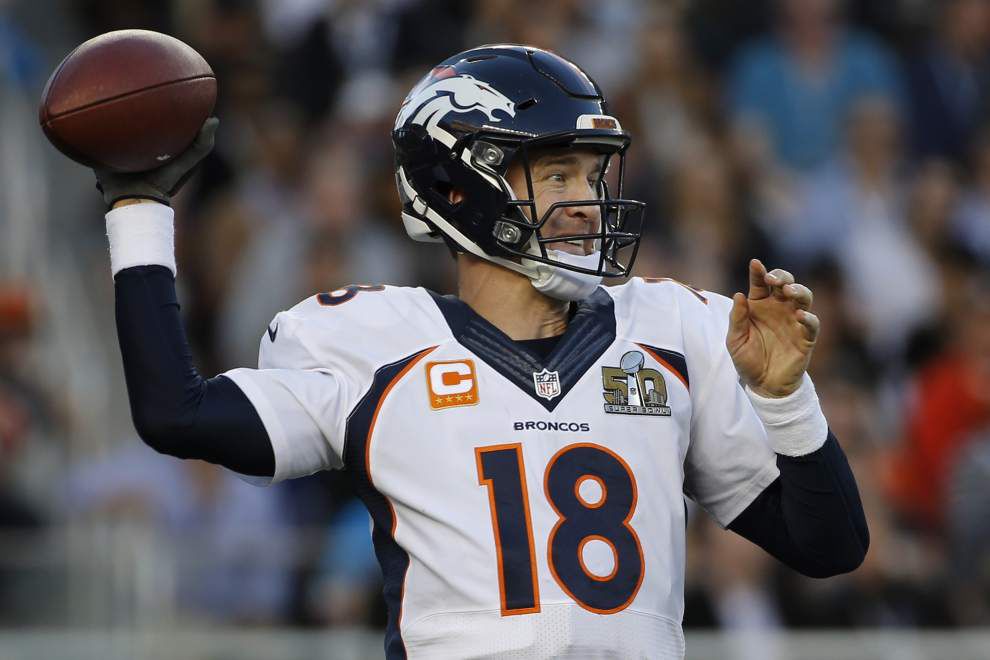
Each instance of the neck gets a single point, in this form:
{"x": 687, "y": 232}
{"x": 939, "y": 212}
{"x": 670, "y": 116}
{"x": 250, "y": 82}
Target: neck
{"x": 508, "y": 301}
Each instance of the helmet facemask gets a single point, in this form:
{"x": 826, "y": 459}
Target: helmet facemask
{"x": 521, "y": 231}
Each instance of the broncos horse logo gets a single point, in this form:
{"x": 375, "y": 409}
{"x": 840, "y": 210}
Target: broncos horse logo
{"x": 436, "y": 98}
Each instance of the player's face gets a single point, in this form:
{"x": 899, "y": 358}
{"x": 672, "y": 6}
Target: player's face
{"x": 563, "y": 175}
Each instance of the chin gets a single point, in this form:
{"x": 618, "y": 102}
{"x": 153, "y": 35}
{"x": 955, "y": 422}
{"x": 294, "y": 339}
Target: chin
{"x": 568, "y": 248}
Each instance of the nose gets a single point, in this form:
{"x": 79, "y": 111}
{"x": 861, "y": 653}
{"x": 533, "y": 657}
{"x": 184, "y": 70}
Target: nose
{"x": 590, "y": 213}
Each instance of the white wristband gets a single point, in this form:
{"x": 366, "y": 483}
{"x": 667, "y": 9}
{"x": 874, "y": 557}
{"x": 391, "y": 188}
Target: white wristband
{"x": 141, "y": 235}
{"x": 795, "y": 423}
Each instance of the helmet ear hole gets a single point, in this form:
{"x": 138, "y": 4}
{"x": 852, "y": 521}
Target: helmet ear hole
{"x": 455, "y": 195}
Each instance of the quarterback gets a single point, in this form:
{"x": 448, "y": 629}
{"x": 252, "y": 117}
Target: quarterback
{"x": 524, "y": 448}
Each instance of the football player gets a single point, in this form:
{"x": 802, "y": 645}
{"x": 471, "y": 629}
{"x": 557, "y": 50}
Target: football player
{"x": 524, "y": 448}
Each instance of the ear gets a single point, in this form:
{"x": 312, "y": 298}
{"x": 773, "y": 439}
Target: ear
{"x": 456, "y": 196}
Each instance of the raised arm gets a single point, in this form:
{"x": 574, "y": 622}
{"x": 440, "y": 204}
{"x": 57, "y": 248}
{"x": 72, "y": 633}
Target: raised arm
{"x": 810, "y": 517}
{"x": 175, "y": 410}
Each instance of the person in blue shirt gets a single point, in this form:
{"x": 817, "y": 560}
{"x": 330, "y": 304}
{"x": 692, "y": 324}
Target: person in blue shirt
{"x": 795, "y": 86}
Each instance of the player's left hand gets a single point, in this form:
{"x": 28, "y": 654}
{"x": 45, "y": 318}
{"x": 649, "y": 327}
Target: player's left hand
{"x": 772, "y": 331}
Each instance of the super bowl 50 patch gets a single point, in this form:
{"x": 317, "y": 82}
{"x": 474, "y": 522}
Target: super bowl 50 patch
{"x": 629, "y": 389}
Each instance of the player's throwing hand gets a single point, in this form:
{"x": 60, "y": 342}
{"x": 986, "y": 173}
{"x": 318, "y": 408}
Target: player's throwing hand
{"x": 772, "y": 331}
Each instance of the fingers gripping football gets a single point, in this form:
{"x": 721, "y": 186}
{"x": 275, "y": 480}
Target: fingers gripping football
{"x": 162, "y": 183}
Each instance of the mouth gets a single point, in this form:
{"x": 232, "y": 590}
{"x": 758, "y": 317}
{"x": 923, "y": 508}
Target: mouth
{"x": 580, "y": 247}
{"x": 565, "y": 227}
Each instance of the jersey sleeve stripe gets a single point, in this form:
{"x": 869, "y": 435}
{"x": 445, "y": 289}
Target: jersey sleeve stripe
{"x": 357, "y": 460}
{"x": 671, "y": 360}
{"x": 374, "y": 418}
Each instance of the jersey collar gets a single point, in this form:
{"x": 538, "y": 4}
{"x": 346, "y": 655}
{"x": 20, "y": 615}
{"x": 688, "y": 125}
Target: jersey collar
{"x": 590, "y": 331}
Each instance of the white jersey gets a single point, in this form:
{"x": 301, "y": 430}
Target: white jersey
{"x": 522, "y": 507}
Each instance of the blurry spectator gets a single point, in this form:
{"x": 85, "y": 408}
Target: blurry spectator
{"x": 363, "y": 33}
{"x": 348, "y": 579}
{"x": 840, "y": 354}
{"x": 741, "y": 594}
{"x": 971, "y": 226}
{"x": 672, "y": 101}
{"x": 494, "y": 19}
{"x": 854, "y": 212}
{"x": 932, "y": 205}
{"x": 237, "y": 548}
{"x": 29, "y": 423}
{"x": 20, "y": 58}
{"x": 950, "y": 80}
{"x": 543, "y": 24}
{"x": 428, "y": 31}
{"x": 596, "y": 34}
{"x": 32, "y": 416}
{"x": 949, "y": 402}
{"x": 736, "y": 23}
{"x": 729, "y": 586}
{"x": 230, "y": 34}
{"x": 707, "y": 237}
{"x": 98, "y": 16}
{"x": 339, "y": 203}
{"x": 968, "y": 518}
{"x": 260, "y": 227}
{"x": 793, "y": 88}
{"x": 20, "y": 158}
{"x": 286, "y": 211}
{"x": 310, "y": 72}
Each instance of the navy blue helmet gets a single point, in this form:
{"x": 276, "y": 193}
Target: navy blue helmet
{"x": 477, "y": 113}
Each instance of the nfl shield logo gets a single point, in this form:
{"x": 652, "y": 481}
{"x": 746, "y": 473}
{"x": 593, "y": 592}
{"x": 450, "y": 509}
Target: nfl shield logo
{"x": 547, "y": 384}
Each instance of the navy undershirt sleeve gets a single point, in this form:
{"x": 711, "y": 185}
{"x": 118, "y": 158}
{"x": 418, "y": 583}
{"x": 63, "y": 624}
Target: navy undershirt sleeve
{"x": 811, "y": 517}
{"x": 175, "y": 410}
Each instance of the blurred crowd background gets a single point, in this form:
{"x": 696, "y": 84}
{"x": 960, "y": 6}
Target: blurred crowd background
{"x": 848, "y": 142}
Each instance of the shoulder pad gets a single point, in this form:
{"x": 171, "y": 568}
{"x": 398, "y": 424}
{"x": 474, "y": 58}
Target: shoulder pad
{"x": 372, "y": 325}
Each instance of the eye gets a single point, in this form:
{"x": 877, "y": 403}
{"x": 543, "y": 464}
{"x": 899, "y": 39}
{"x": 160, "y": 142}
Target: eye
{"x": 556, "y": 177}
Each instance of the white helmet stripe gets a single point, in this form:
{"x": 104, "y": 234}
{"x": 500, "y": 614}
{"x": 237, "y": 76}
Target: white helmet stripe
{"x": 449, "y": 140}
{"x": 463, "y": 241}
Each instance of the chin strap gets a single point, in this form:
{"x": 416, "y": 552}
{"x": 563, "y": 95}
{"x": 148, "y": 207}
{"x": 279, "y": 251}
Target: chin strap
{"x": 564, "y": 284}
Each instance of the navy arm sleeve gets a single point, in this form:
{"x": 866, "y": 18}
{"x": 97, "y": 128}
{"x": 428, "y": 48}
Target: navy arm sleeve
{"x": 811, "y": 517}
{"x": 175, "y": 410}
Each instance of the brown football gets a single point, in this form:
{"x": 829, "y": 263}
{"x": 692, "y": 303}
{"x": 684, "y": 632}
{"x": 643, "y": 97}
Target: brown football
{"x": 128, "y": 100}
